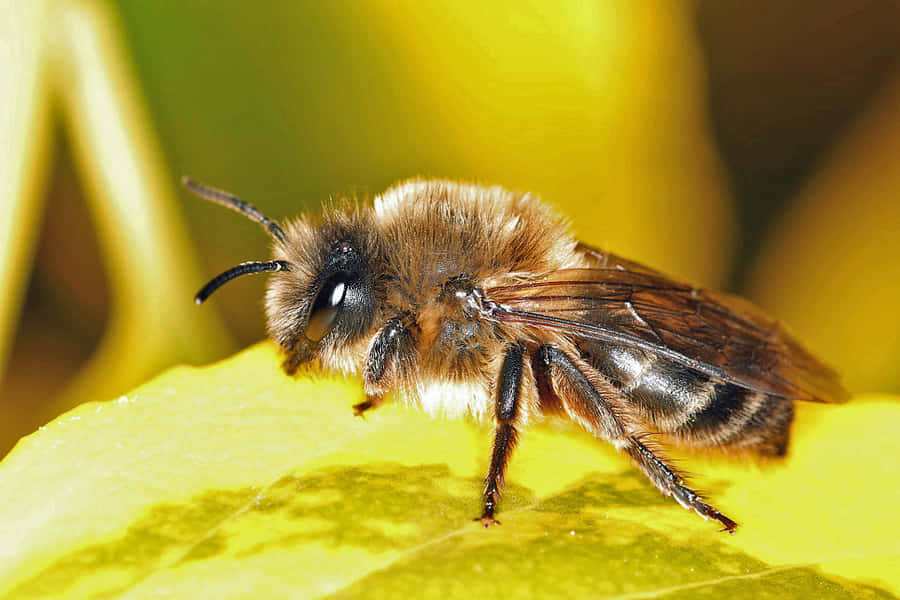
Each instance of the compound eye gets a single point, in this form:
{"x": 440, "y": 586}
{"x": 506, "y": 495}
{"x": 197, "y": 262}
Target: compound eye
{"x": 326, "y": 307}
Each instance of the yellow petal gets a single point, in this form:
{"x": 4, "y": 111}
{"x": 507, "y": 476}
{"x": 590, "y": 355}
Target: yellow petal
{"x": 25, "y": 131}
{"x": 598, "y": 107}
{"x": 75, "y": 52}
{"x": 832, "y": 268}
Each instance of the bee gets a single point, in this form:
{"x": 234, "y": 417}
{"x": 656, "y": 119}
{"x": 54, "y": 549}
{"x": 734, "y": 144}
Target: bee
{"x": 470, "y": 300}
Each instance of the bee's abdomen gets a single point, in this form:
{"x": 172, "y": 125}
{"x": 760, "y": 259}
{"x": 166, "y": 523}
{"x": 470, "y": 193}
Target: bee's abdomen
{"x": 740, "y": 418}
{"x": 694, "y": 409}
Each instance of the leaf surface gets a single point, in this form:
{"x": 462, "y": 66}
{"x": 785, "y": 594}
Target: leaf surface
{"x": 235, "y": 481}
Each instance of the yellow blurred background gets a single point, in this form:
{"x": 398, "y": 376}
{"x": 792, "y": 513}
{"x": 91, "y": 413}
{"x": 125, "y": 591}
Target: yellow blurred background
{"x": 746, "y": 146}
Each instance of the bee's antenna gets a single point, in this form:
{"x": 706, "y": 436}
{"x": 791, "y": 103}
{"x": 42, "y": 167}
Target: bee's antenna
{"x": 234, "y": 203}
{"x": 241, "y": 269}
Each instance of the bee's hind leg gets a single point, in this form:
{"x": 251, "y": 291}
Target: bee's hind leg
{"x": 594, "y": 403}
{"x": 670, "y": 482}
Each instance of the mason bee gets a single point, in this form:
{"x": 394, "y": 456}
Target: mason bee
{"x": 475, "y": 300}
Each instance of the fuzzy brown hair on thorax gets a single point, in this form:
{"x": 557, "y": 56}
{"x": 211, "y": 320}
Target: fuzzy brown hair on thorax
{"x": 442, "y": 228}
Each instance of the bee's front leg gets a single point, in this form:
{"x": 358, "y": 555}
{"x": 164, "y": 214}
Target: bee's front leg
{"x": 391, "y": 346}
{"x": 371, "y": 401}
{"x": 506, "y": 416}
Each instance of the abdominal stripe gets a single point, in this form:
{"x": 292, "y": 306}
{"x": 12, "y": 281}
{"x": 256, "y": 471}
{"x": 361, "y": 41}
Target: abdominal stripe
{"x": 672, "y": 398}
{"x": 724, "y": 417}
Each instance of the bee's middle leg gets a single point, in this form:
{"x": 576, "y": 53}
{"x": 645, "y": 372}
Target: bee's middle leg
{"x": 507, "y": 414}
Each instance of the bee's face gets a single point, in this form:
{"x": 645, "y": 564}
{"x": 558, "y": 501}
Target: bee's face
{"x": 326, "y": 302}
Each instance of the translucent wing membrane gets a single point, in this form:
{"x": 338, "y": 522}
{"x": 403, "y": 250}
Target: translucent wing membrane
{"x": 624, "y": 303}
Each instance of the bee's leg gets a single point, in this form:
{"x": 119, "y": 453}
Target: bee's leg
{"x": 291, "y": 363}
{"x": 594, "y": 403}
{"x": 391, "y": 343}
{"x": 371, "y": 401}
{"x": 670, "y": 482}
{"x": 506, "y": 416}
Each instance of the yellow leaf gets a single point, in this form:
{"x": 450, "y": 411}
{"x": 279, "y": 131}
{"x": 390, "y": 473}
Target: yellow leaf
{"x": 236, "y": 481}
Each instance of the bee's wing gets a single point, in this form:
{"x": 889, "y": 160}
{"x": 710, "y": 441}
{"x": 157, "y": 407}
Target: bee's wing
{"x": 626, "y": 304}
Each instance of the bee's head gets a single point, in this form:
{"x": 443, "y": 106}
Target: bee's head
{"x": 326, "y": 304}
{"x": 323, "y": 303}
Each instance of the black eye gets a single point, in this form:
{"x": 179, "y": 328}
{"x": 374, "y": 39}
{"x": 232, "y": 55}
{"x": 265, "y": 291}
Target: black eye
{"x": 326, "y": 307}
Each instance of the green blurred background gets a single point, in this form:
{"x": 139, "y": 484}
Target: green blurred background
{"x": 747, "y": 146}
